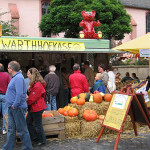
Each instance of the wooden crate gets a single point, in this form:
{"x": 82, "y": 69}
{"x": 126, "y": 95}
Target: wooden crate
{"x": 54, "y": 125}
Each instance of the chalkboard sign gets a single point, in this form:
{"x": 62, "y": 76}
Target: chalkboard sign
{"x": 137, "y": 113}
{"x": 117, "y": 111}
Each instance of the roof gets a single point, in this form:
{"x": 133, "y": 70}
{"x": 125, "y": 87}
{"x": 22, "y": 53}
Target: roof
{"x": 144, "y": 4}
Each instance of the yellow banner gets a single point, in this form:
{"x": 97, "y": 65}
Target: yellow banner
{"x": 27, "y": 44}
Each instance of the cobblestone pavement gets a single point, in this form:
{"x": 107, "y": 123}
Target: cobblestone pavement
{"x": 128, "y": 141}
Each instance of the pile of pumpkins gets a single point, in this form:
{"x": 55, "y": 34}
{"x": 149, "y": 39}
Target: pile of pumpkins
{"x": 68, "y": 111}
{"x": 88, "y": 115}
{"x": 96, "y": 97}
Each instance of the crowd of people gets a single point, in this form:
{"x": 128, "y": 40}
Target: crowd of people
{"x": 39, "y": 93}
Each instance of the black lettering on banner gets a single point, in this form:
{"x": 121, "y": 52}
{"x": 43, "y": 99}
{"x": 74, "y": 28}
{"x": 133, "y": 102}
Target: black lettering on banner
{"x": 5, "y": 45}
{"x": 50, "y": 44}
{"x": 69, "y": 45}
{"x": 54, "y": 45}
{"x": 20, "y": 43}
{"x": 65, "y": 46}
{"x": 27, "y": 43}
{"x": 59, "y": 46}
{"x": 40, "y": 44}
{"x": 44, "y": 45}
{"x": 13, "y": 44}
{"x": 33, "y": 44}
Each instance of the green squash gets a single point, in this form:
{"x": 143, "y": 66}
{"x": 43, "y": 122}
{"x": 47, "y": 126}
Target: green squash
{"x": 87, "y": 97}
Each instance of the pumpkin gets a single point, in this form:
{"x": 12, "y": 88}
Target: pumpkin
{"x": 107, "y": 97}
{"x": 89, "y": 115}
{"x": 101, "y": 117}
{"x": 67, "y": 108}
{"x": 95, "y": 92}
{"x": 97, "y": 98}
{"x": 73, "y": 99}
{"x": 61, "y": 110}
{"x": 73, "y": 112}
{"x": 65, "y": 113}
{"x": 43, "y": 115}
{"x": 80, "y": 101}
{"x": 49, "y": 115}
{"x": 82, "y": 95}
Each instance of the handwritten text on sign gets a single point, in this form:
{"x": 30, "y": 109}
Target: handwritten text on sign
{"x": 27, "y": 44}
{"x": 117, "y": 111}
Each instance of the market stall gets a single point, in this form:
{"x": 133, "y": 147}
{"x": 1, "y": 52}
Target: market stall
{"x": 46, "y": 51}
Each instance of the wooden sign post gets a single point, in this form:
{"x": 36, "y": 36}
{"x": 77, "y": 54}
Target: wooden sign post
{"x": 123, "y": 103}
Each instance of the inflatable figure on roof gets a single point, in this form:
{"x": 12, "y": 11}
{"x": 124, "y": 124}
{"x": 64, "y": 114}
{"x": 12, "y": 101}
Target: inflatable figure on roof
{"x": 88, "y": 26}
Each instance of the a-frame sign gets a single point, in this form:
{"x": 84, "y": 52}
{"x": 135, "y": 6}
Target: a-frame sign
{"x": 123, "y": 103}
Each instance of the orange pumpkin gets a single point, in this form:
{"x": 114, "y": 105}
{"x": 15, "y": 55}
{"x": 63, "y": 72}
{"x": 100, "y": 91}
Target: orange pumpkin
{"x": 49, "y": 115}
{"x": 80, "y": 101}
{"x": 73, "y": 112}
{"x": 67, "y": 108}
{"x": 101, "y": 117}
{"x": 65, "y": 113}
{"x": 95, "y": 92}
{"x": 43, "y": 115}
{"x": 82, "y": 95}
{"x": 97, "y": 98}
{"x": 61, "y": 110}
{"x": 89, "y": 115}
{"x": 107, "y": 97}
{"x": 73, "y": 99}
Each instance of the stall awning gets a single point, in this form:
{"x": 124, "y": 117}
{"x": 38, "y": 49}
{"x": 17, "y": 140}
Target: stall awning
{"x": 72, "y": 45}
{"x": 136, "y": 44}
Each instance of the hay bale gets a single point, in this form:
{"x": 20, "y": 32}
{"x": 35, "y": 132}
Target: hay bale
{"x": 72, "y": 129}
{"x": 90, "y": 129}
{"x": 71, "y": 119}
{"x": 100, "y": 108}
{"x": 128, "y": 124}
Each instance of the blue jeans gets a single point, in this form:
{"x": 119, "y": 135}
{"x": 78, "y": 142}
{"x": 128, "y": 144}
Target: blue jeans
{"x": 35, "y": 127}
{"x": 17, "y": 122}
{"x": 52, "y": 105}
{"x": 4, "y": 108}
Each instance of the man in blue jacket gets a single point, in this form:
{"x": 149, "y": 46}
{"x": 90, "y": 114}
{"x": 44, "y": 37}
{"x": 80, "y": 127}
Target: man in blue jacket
{"x": 16, "y": 101}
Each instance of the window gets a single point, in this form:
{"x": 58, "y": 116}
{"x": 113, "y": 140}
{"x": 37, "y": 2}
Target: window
{"x": 148, "y": 22}
{"x": 45, "y": 8}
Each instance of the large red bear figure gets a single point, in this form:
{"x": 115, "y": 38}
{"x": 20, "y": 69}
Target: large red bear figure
{"x": 88, "y": 26}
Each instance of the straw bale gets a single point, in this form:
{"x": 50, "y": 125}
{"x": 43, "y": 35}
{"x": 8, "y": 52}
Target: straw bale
{"x": 90, "y": 129}
{"x": 71, "y": 119}
{"x": 72, "y": 129}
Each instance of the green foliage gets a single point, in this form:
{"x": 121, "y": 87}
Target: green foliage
{"x": 7, "y": 28}
{"x": 116, "y": 62}
{"x": 65, "y": 16}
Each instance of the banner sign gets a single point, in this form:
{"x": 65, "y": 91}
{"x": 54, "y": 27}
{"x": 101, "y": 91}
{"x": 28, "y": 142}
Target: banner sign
{"x": 144, "y": 52}
{"x": 45, "y": 45}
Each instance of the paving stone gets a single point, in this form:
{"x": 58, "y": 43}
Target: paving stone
{"x": 128, "y": 142}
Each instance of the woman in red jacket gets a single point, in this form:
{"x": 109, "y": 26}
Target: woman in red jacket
{"x": 36, "y": 106}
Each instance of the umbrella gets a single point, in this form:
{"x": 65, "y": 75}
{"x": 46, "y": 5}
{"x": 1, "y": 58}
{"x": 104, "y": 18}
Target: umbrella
{"x": 135, "y": 45}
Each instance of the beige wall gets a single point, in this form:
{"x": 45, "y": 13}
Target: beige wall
{"x": 141, "y": 71}
{"x": 29, "y": 12}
